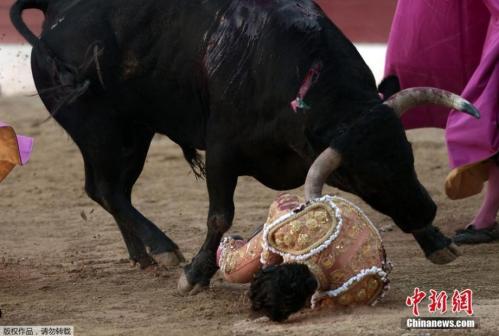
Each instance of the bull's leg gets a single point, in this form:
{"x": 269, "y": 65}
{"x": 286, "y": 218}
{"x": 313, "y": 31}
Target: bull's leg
{"x": 113, "y": 150}
{"x": 111, "y": 173}
{"x": 114, "y": 153}
{"x": 136, "y": 249}
{"x": 438, "y": 248}
{"x": 221, "y": 179}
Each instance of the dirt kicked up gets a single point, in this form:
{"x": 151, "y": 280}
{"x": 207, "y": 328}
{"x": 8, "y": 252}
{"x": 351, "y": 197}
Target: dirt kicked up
{"x": 63, "y": 261}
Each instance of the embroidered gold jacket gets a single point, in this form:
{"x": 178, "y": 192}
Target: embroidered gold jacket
{"x": 330, "y": 235}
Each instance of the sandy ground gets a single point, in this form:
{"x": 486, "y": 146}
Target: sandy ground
{"x": 15, "y": 69}
{"x": 62, "y": 259}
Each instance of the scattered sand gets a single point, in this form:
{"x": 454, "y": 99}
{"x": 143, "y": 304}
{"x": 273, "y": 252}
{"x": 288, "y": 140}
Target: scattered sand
{"x": 58, "y": 268}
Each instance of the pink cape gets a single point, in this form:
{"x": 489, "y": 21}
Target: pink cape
{"x": 453, "y": 45}
{"x": 22, "y": 144}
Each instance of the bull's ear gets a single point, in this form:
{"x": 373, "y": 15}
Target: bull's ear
{"x": 389, "y": 86}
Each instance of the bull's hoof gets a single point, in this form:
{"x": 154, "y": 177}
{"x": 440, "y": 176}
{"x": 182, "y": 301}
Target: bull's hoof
{"x": 196, "y": 276}
{"x": 169, "y": 259}
{"x": 142, "y": 262}
{"x": 438, "y": 248}
{"x": 184, "y": 287}
{"x": 445, "y": 255}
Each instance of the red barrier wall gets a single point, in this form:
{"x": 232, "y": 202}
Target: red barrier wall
{"x": 7, "y": 32}
{"x": 361, "y": 20}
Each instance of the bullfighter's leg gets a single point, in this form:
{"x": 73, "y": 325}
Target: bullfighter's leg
{"x": 486, "y": 216}
{"x": 484, "y": 227}
{"x": 221, "y": 176}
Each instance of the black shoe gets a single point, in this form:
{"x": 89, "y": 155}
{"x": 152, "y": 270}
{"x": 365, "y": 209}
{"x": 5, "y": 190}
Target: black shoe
{"x": 470, "y": 235}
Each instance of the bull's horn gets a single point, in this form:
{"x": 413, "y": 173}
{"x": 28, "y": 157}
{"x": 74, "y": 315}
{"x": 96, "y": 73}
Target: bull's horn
{"x": 413, "y": 97}
{"x": 327, "y": 162}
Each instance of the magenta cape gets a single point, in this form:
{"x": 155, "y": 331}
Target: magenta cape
{"x": 453, "y": 45}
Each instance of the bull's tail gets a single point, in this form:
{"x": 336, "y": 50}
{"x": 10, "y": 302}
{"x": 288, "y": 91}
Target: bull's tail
{"x": 195, "y": 161}
{"x": 16, "y": 17}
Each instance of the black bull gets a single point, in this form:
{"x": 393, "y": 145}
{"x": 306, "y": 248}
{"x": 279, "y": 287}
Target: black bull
{"x": 219, "y": 76}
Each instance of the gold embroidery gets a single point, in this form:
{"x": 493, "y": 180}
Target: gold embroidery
{"x": 302, "y": 232}
{"x": 289, "y": 240}
{"x": 295, "y": 226}
{"x": 373, "y": 284}
{"x": 303, "y": 240}
{"x": 339, "y": 262}
{"x": 312, "y": 224}
{"x": 361, "y": 295}
{"x": 369, "y": 254}
{"x": 345, "y": 299}
{"x": 328, "y": 261}
{"x": 321, "y": 217}
{"x": 338, "y": 277}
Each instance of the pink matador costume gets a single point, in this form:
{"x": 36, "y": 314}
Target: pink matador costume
{"x": 330, "y": 235}
{"x": 14, "y": 149}
{"x": 453, "y": 45}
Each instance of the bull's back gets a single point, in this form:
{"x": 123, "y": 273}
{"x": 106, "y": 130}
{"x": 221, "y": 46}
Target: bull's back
{"x": 260, "y": 49}
{"x": 136, "y": 58}
{"x": 259, "y": 55}
{"x": 184, "y": 62}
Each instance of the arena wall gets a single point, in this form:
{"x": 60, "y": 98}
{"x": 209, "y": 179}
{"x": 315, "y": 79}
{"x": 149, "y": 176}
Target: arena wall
{"x": 363, "y": 21}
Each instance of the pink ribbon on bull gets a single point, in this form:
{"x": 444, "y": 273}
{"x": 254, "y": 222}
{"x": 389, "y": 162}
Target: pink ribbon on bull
{"x": 310, "y": 79}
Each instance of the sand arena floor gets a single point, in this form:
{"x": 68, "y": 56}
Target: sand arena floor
{"x": 63, "y": 261}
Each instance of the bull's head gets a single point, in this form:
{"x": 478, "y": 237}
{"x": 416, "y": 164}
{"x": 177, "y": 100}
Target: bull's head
{"x": 374, "y": 160}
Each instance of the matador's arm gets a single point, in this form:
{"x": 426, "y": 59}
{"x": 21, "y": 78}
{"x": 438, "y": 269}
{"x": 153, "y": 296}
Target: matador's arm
{"x": 239, "y": 259}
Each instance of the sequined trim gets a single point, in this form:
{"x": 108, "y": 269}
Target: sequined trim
{"x": 226, "y": 247}
{"x": 328, "y": 200}
{"x": 348, "y": 284}
{"x": 387, "y": 268}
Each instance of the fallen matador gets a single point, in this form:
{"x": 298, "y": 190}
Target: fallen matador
{"x": 326, "y": 250}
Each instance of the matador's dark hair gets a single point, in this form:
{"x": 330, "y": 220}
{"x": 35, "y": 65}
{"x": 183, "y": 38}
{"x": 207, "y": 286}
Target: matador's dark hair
{"x": 281, "y": 290}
